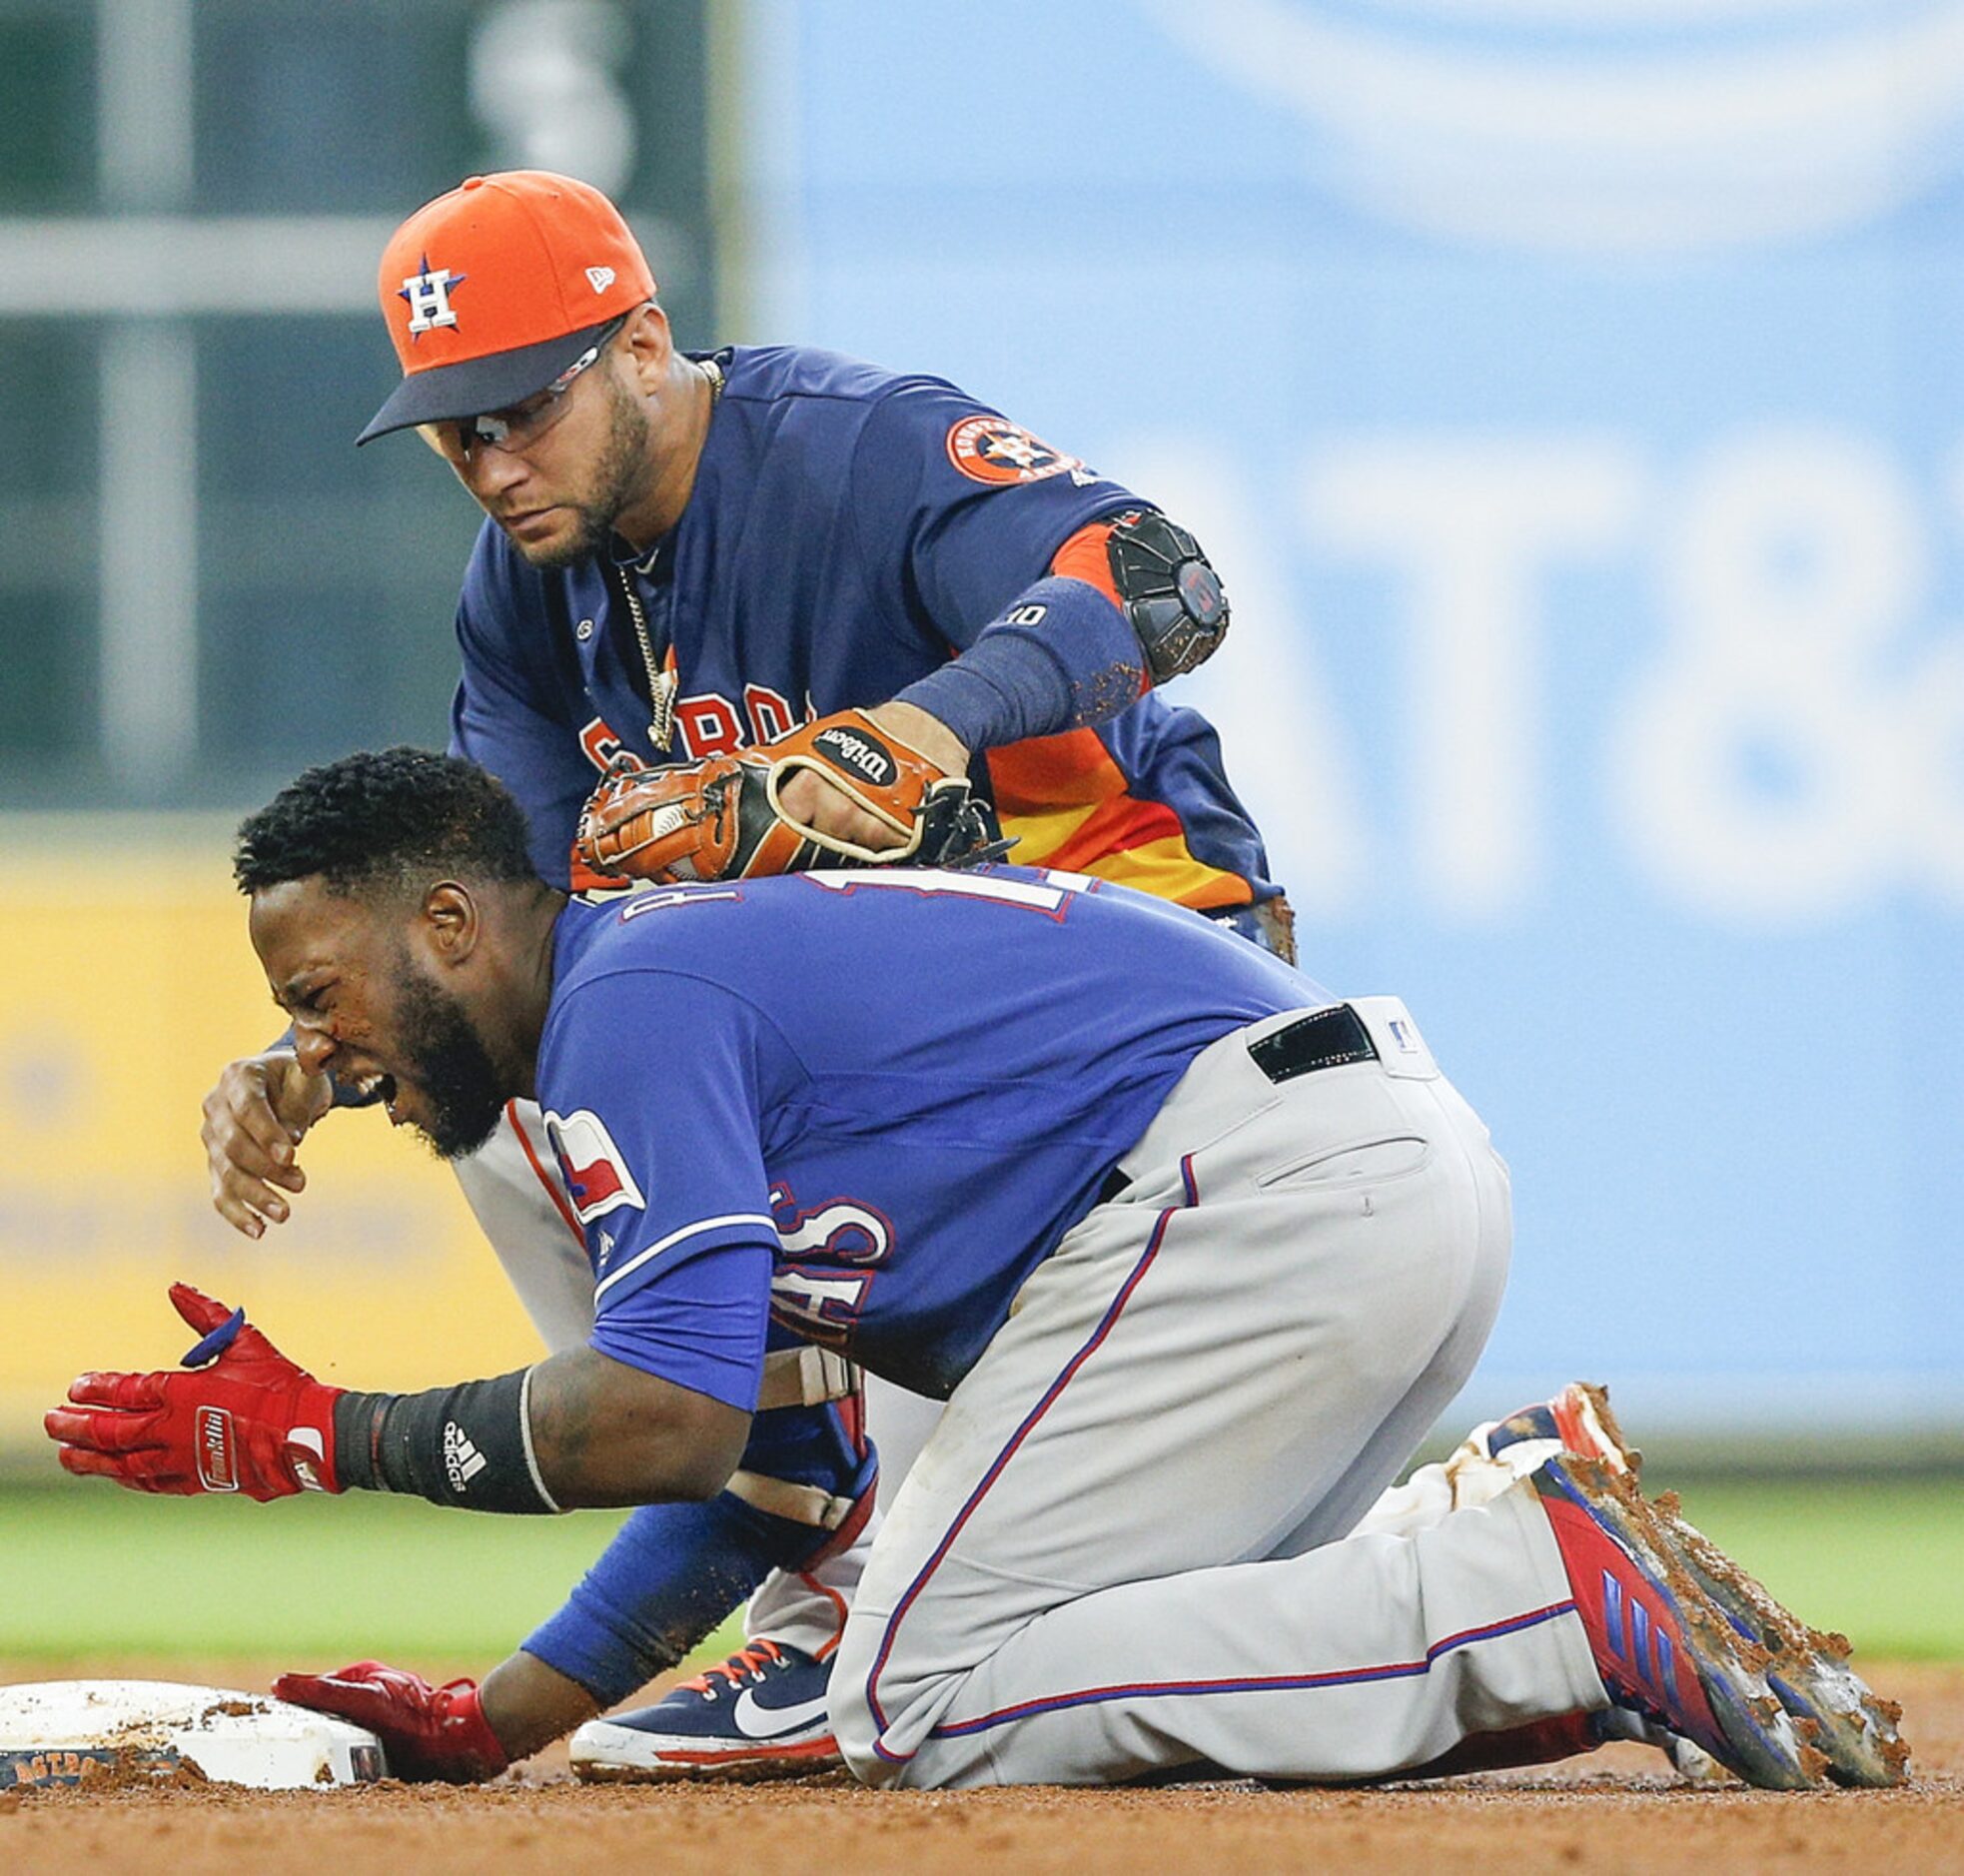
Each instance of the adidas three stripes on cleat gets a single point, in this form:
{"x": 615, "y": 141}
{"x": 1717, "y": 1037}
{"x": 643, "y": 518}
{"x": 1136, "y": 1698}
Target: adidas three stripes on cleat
{"x": 1664, "y": 1650}
{"x": 1806, "y": 1670}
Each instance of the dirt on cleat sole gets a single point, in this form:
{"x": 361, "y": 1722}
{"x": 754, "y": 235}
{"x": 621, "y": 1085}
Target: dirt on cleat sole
{"x": 1764, "y": 1744}
{"x": 604, "y": 1772}
{"x": 1855, "y": 1729}
{"x": 1775, "y": 1751}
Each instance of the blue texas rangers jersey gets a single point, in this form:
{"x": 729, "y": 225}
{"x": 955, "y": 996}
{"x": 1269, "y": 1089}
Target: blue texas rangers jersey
{"x": 847, "y": 531}
{"x": 890, "y": 1160}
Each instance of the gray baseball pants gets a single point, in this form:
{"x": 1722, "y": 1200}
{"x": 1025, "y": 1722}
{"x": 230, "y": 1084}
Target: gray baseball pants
{"x": 1127, "y": 1546}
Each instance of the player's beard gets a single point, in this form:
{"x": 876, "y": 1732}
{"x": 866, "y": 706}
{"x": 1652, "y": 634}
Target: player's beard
{"x": 620, "y": 474}
{"x": 444, "y": 1055}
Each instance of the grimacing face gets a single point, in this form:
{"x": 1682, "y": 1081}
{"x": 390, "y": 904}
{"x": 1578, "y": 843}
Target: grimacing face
{"x": 365, "y": 1010}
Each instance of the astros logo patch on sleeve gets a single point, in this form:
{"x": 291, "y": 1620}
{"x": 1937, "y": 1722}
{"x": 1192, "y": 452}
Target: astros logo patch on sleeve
{"x": 994, "y": 450}
{"x": 596, "y": 1175}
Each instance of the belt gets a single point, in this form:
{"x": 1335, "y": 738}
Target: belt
{"x": 1331, "y": 1038}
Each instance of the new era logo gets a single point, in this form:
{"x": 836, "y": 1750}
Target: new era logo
{"x": 599, "y": 278}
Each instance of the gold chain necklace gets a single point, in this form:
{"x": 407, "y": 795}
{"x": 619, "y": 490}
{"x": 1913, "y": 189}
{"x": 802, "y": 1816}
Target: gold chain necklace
{"x": 664, "y": 683}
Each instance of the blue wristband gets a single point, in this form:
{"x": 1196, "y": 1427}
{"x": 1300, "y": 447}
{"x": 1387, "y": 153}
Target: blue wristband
{"x": 1061, "y": 657}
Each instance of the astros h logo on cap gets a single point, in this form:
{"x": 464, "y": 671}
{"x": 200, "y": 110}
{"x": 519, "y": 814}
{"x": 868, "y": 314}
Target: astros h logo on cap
{"x": 492, "y": 290}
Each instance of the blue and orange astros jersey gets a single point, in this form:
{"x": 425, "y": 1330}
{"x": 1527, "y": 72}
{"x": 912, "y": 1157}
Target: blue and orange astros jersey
{"x": 849, "y": 531}
{"x": 885, "y": 1168}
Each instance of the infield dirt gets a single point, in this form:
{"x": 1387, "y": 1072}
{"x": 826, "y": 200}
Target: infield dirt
{"x": 1621, "y": 1809}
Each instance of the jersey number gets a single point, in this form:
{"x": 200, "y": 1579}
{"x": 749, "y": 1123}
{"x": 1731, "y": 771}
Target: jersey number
{"x": 1050, "y": 893}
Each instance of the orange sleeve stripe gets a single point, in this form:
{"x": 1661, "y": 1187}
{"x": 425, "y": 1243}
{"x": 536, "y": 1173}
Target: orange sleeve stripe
{"x": 1086, "y": 557}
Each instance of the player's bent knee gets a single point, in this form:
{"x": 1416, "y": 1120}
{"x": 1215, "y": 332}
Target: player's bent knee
{"x": 856, "y": 1729}
{"x": 873, "y": 1697}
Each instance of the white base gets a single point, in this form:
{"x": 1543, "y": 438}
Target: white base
{"x": 53, "y": 1731}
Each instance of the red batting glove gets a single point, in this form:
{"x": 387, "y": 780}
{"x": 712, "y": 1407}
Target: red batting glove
{"x": 250, "y": 1420}
{"x": 428, "y": 1732}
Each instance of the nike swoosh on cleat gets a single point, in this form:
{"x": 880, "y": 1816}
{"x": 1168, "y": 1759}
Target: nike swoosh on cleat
{"x": 755, "y": 1720}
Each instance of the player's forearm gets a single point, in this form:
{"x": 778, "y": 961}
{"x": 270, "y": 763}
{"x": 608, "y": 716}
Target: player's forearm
{"x": 610, "y": 1434}
{"x": 528, "y": 1704}
{"x": 673, "y": 1571}
{"x": 670, "y": 1573}
{"x": 1125, "y": 603}
{"x": 580, "y": 1429}
{"x": 1059, "y": 657}
{"x": 925, "y": 735}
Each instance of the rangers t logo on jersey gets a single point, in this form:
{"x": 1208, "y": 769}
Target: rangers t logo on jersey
{"x": 596, "y": 1171}
{"x": 992, "y": 449}
{"x": 429, "y": 295}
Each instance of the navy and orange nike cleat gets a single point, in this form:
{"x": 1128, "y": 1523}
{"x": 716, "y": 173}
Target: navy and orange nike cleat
{"x": 760, "y": 1715}
{"x": 1665, "y": 1649}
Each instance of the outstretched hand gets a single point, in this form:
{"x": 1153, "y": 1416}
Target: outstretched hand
{"x": 239, "y": 1416}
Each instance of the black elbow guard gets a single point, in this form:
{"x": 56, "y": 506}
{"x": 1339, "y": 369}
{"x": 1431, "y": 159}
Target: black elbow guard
{"x": 1170, "y": 595}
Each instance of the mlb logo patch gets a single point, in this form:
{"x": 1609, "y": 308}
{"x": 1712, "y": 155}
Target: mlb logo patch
{"x": 1403, "y": 1036}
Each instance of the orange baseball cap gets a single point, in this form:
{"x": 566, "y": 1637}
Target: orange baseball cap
{"x": 492, "y": 290}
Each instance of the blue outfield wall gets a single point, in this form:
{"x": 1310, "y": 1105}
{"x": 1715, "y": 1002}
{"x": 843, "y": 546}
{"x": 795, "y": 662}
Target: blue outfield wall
{"x": 1574, "y": 400}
